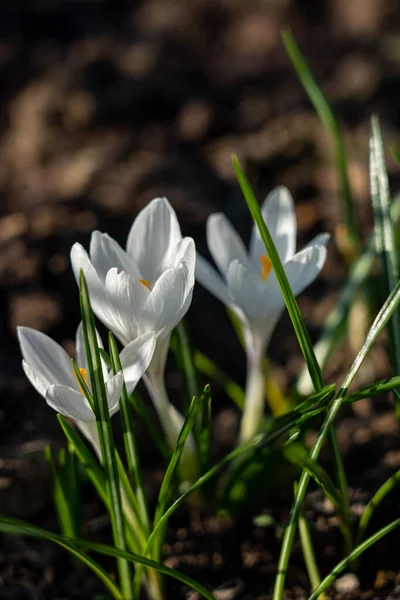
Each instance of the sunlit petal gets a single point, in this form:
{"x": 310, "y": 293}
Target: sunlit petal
{"x": 280, "y": 217}
{"x": 224, "y": 243}
{"x": 69, "y": 402}
{"x": 153, "y": 238}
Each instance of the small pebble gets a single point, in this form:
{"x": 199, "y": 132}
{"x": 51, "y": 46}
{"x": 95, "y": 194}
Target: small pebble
{"x": 348, "y": 583}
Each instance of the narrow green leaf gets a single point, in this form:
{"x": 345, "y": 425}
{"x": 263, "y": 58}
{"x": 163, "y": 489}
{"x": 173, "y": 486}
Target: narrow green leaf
{"x": 375, "y": 502}
{"x": 373, "y": 539}
{"x": 335, "y": 329}
{"x": 380, "y": 322}
{"x": 185, "y": 360}
{"x": 92, "y": 467}
{"x": 101, "y": 411}
{"x": 327, "y": 118}
{"x": 15, "y": 526}
{"x": 210, "y": 369}
{"x": 62, "y": 504}
{"x": 385, "y": 236}
{"x": 290, "y": 300}
{"x": 155, "y": 432}
{"x": 131, "y": 451}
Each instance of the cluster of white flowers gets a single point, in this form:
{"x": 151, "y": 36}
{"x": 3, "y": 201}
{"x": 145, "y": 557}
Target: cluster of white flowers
{"x": 140, "y": 294}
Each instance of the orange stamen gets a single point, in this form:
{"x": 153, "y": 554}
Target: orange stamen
{"x": 266, "y": 266}
{"x": 145, "y": 283}
{"x": 83, "y": 372}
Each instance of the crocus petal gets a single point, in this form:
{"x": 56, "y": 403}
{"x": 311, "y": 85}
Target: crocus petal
{"x": 136, "y": 357}
{"x": 224, "y": 243}
{"x": 279, "y": 215}
{"x": 153, "y": 237}
{"x": 248, "y": 291}
{"x": 69, "y": 402}
{"x": 185, "y": 253}
{"x": 40, "y": 383}
{"x": 100, "y": 304}
{"x": 114, "y": 389}
{"x": 164, "y": 307}
{"x": 47, "y": 360}
{"x": 127, "y": 298}
{"x": 89, "y": 430}
{"x": 106, "y": 253}
{"x": 81, "y": 359}
{"x": 209, "y": 278}
{"x": 306, "y": 265}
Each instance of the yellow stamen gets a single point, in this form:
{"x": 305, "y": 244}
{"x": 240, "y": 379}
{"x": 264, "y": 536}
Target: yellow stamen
{"x": 83, "y": 372}
{"x": 266, "y": 266}
{"x": 145, "y": 283}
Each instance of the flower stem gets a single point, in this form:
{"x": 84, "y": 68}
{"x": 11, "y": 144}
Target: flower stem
{"x": 253, "y": 411}
{"x": 171, "y": 421}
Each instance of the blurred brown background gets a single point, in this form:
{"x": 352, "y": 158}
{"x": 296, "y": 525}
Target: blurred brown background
{"x": 106, "y": 104}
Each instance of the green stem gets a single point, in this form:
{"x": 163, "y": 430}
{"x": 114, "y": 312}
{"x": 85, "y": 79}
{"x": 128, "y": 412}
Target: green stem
{"x": 105, "y": 436}
{"x": 308, "y": 552}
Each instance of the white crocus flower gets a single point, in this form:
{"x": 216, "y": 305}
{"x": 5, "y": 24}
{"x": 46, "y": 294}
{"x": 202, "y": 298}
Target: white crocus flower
{"x": 148, "y": 287}
{"x": 50, "y": 371}
{"x": 247, "y": 285}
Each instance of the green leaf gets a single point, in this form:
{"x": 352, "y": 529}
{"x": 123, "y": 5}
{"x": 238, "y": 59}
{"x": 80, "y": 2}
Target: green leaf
{"x": 335, "y": 329}
{"x": 8, "y": 525}
{"x": 326, "y": 115}
{"x": 211, "y": 370}
{"x": 290, "y": 300}
{"x": 106, "y": 439}
{"x": 380, "y": 322}
{"x": 17, "y": 527}
{"x": 131, "y": 451}
{"x": 329, "y": 579}
{"x": 385, "y": 236}
{"x": 64, "y": 495}
{"x": 185, "y": 360}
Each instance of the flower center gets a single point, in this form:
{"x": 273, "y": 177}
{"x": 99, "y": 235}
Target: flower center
{"x": 145, "y": 283}
{"x": 266, "y": 266}
{"x": 83, "y": 372}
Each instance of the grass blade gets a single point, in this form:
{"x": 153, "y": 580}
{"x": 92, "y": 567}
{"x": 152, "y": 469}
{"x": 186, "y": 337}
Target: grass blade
{"x": 352, "y": 556}
{"x": 15, "y": 526}
{"x": 185, "y": 360}
{"x": 131, "y": 451}
{"x": 385, "y": 237}
{"x": 326, "y": 115}
{"x": 105, "y": 433}
{"x": 290, "y": 300}
{"x": 380, "y": 322}
{"x": 232, "y": 389}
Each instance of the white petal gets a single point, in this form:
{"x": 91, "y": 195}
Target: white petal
{"x": 98, "y": 297}
{"x": 136, "y": 357}
{"x": 69, "y": 402}
{"x": 114, "y": 389}
{"x": 209, "y": 278}
{"x": 224, "y": 243}
{"x": 248, "y": 291}
{"x": 106, "y": 253}
{"x": 81, "y": 359}
{"x": 89, "y": 430}
{"x": 40, "y": 383}
{"x": 260, "y": 303}
{"x": 306, "y": 265}
{"x": 47, "y": 360}
{"x": 185, "y": 253}
{"x": 167, "y": 302}
{"x": 153, "y": 238}
{"x": 127, "y": 298}
{"x": 280, "y": 217}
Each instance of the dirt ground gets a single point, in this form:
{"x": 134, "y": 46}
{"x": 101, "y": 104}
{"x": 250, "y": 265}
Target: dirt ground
{"x": 106, "y": 104}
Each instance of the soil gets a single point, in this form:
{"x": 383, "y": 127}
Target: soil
{"x": 107, "y": 104}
